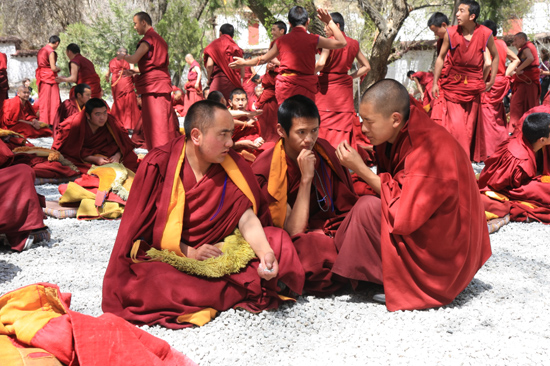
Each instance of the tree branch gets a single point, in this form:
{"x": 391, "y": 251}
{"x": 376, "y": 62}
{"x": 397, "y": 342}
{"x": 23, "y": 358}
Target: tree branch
{"x": 374, "y": 14}
{"x": 427, "y": 6}
{"x": 198, "y": 12}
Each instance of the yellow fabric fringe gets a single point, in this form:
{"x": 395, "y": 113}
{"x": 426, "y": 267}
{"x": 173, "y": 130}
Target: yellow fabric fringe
{"x": 236, "y": 255}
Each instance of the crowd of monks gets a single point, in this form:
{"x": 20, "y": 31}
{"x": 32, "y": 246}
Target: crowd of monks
{"x": 269, "y": 190}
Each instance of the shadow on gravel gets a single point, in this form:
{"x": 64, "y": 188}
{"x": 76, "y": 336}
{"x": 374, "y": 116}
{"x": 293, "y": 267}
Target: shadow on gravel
{"x": 7, "y": 271}
{"x": 474, "y": 289}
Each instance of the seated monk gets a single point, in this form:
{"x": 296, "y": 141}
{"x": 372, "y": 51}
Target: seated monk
{"x": 81, "y": 94}
{"x": 178, "y": 101}
{"x": 424, "y": 236}
{"x": 21, "y": 215}
{"x": 19, "y": 116}
{"x": 188, "y": 196}
{"x": 247, "y": 135}
{"x": 517, "y": 174}
{"x": 308, "y": 190}
{"x": 93, "y": 136}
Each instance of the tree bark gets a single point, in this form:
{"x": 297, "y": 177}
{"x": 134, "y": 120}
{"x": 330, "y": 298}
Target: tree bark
{"x": 262, "y": 12}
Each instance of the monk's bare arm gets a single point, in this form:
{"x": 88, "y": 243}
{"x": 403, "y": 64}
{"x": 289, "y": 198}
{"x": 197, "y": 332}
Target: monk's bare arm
{"x": 321, "y": 62}
{"x": 53, "y": 66}
{"x": 528, "y": 59}
{"x": 209, "y": 68}
{"x": 494, "y": 66}
{"x": 70, "y": 79}
{"x": 269, "y": 55}
{"x": 140, "y": 52}
{"x": 439, "y": 65}
{"x": 199, "y": 76}
{"x": 418, "y": 85}
{"x": 298, "y": 218}
{"x": 253, "y": 232}
{"x": 107, "y": 75}
{"x": 351, "y": 159}
{"x": 364, "y": 67}
{"x": 514, "y": 62}
{"x": 201, "y": 253}
{"x": 486, "y": 64}
{"x": 339, "y": 40}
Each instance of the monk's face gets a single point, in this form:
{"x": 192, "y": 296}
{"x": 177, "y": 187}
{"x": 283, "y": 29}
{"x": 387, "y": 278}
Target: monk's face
{"x": 439, "y": 32}
{"x": 177, "y": 95}
{"x": 377, "y": 127}
{"x": 302, "y": 135}
{"x": 518, "y": 42}
{"x": 238, "y": 102}
{"x": 215, "y": 142}
{"x": 98, "y": 118}
{"x": 140, "y": 26}
{"x": 259, "y": 90}
{"x": 328, "y": 31}
{"x": 120, "y": 54}
{"x": 463, "y": 15}
{"x": 189, "y": 60}
{"x": 23, "y": 93}
{"x": 84, "y": 97}
{"x": 276, "y": 32}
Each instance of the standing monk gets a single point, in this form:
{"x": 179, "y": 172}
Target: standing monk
{"x": 193, "y": 85}
{"x": 82, "y": 71}
{"x": 153, "y": 83}
{"x": 19, "y": 116}
{"x": 186, "y": 198}
{"x": 296, "y": 53}
{"x": 425, "y": 235}
{"x": 458, "y": 106}
{"x": 335, "y": 96}
{"x": 526, "y": 80}
{"x": 124, "y": 107}
{"x": 4, "y": 84}
{"x": 48, "y": 86}
{"x": 217, "y": 56}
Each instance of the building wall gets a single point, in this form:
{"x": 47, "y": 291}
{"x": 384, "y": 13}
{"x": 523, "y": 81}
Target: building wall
{"x": 19, "y": 68}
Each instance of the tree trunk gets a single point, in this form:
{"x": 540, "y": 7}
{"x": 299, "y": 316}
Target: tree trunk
{"x": 262, "y": 12}
{"x": 200, "y": 9}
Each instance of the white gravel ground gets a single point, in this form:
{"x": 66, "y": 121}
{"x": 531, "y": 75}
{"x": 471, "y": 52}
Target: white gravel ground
{"x": 502, "y": 318}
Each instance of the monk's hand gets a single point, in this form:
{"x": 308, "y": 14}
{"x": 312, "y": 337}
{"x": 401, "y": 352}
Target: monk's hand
{"x": 324, "y": 15}
{"x": 250, "y": 123}
{"x": 435, "y": 91}
{"x": 268, "y": 268}
{"x": 255, "y": 113}
{"x": 35, "y": 124}
{"x": 306, "y": 162}
{"x": 245, "y": 144}
{"x": 348, "y": 156}
{"x": 203, "y": 252}
{"x": 259, "y": 142}
{"x": 129, "y": 72}
{"x": 237, "y": 63}
{"x": 116, "y": 158}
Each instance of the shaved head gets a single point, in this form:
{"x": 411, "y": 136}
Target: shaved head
{"x": 388, "y": 96}
{"x": 201, "y": 115}
{"x": 122, "y": 49}
{"x": 22, "y": 88}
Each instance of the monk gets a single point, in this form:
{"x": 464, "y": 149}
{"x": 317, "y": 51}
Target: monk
{"x": 94, "y": 136}
{"x": 4, "y": 84}
{"x": 81, "y": 93}
{"x": 526, "y": 80}
{"x": 516, "y": 178}
{"x": 187, "y": 196}
{"x": 296, "y": 54}
{"x": 153, "y": 83}
{"x": 193, "y": 86}
{"x": 424, "y": 81}
{"x": 82, "y": 71}
{"x": 46, "y": 74}
{"x": 493, "y": 129}
{"x": 438, "y": 23}
{"x": 267, "y": 101}
{"x": 458, "y": 106}
{"x": 217, "y": 56}
{"x": 19, "y": 116}
{"x": 217, "y": 96}
{"x": 178, "y": 101}
{"x": 124, "y": 106}
{"x": 424, "y": 235}
{"x": 21, "y": 216}
{"x": 308, "y": 190}
{"x": 247, "y": 134}
{"x": 335, "y": 96}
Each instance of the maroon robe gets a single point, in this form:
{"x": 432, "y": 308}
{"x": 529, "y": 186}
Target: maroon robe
{"x": 297, "y": 50}
{"x": 458, "y": 106}
{"x": 76, "y": 141}
{"x": 223, "y": 78}
{"x": 426, "y": 236}
{"x": 193, "y": 95}
{"x": 13, "y": 112}
{"x": 4, "y": 85}
{"x": 268, "y": 104}
{"x": 426, "y": 79}
{"x": 315, "y": 247}
{"x": 87, "y": 74}
{"x": 48, "y": 88}
{"x": 125, "y": 107}
{"x": 179, "y": 105}
{"x": 65, "y": 110}
{"x": 20, "y": 206}
{"x": 160, "y": 124}
{"x": 166, "y": 293}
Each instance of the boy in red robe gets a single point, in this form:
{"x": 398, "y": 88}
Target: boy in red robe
{"x": 193, "y": 86}
{"x": 80, "y": 94}
{"x": 94, "y": 136}
{"x": 217, "y": 57}
{"x": 178, "y": 101}
{"x": 309, "y": 192}
{"x": 517, "y": 175}
{"x": 18, "y": 116}
{"x": 82, "y": 71}
{"x": 526, "y": 80}
{"x": 4, "y": 84}
{"x": 296, "y": 53}
{"x": 48, "y": 86}
{"x": 187, "y": 196}
{"x": 424, "y": 82}
{"x": 458, "y": 106}
{"x": 124, "y": 106}
{"x": 153, "y": 84}
{"x": 425, "y": 236}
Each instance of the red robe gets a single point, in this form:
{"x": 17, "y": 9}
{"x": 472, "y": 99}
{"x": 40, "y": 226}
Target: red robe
{"x": 335, "y": 96}
{"x": 525, "y": 87}
{"x": 48, "y": 89}
{"x": 76, "y": 141}
{"x": 426, "y": 79}
{"x": 223, "y": 78}
{"x": 297, "y": 50}
{"x": 315, "y": 247}
{"x": 160, "y": 123}
{"x": 4, "y": 85}
{"x": 432, "y": 234}
{"x": 87, "y": 74}
{"x": 20, "y": 206}
{"x": 248, "y": 84}
{"x": 458, "y": 107}
{"x": 137, "y": 137}
{"x": 125, "y": 107}
{"x": 268, "y": 104}
{"x": 169, "y": 293}
{"x": 179, "y": 105}
{"x": 492, "y": 128}
{"x": 13, "y": 113}
{"x": 193, "y": 95}
{"x": 65, "y": 110}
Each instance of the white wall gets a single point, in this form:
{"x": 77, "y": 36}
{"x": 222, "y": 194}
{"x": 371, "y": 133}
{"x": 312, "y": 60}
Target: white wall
{"x": 19, "y": 68}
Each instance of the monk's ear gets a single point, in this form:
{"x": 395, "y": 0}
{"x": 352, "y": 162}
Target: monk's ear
{"x": 397, "y": 118}
{"x": 196, "y": 136}
{"x": 281, "y": 131}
